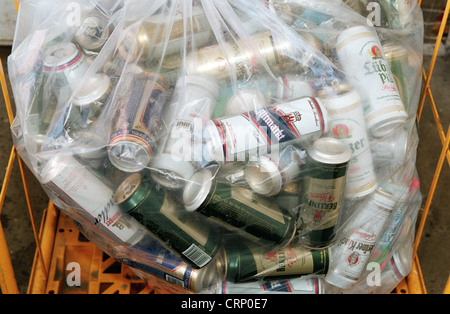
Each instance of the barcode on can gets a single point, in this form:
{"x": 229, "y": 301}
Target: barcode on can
{"x": 197, "y": 255}
{"x": 175, "y": 281}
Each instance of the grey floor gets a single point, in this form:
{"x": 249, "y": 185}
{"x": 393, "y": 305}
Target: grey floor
{"x": 434, "y": 250}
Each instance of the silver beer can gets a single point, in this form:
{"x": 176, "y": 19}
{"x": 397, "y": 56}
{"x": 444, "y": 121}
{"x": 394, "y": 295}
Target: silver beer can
{"x": 286, "y": 286}
{"x": 137, "y": 123}
{"x": 67, "y": 60}
{"x": 194, "y": 102}
{"x": 93, "y": 33}
{"x": 240, "y": 59}
{"x": 271, "y": 173}
{"x": 76, "y": 186}
{"x": 90, "y": 98}
{"x": 360, "y": 54}
{"x": 352, "y": 251}
{"x": 348, "y": 124}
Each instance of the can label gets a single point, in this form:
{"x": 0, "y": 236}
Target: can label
{"x": 359, "y": 51}
{"x": 347, "y": 124}
{"x": 295, "y": 286}
{"x": 140, "y": 119}
{"x": 260, "y": 130}
{"x": 354, "y": 250}
{"x": 82, "y": 190}
{"x": 291, "y": 261}
{"x": 183, "y": 232}
{"x": 323, "y": 189}
{"x": 243, "y": 209}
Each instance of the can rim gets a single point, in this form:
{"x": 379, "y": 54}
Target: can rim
{"x": 61, "y": 56}
{"x": 264, "y": 177}
{"x": 93, "y": 89}
{"x": 330, "y": 150}
{"x": 197, "y": 190}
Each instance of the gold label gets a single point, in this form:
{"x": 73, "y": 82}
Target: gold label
{"x": 288, "y": 261}
{"x": 320, "y": 209}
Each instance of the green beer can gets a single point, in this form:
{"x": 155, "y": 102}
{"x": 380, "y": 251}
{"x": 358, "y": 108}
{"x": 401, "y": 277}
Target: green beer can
{"x": 238, "y": 207}
{"x": 322, "y": 191}
{"x": 245, "y": 261}
{"x": 161, "y": 215}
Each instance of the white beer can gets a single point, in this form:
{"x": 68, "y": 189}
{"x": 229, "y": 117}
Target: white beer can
{"x": 242, "y": 137}
{"x": 78, "y": 187}
{"x": 347, "y": 123}
{"x": 361, "y": 56}
{"x": 352, "y": 251}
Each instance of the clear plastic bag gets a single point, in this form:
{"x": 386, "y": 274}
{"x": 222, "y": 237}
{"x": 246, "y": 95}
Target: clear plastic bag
{"x": 244, "y": 144}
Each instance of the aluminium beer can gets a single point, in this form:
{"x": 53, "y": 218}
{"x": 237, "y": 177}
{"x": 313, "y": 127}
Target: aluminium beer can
{"x": 155, "y": 209}
{"x": 351, "y": 253}
{"x": 93, "y": 33}
{"x": 244, "y": 261}
{"x": 242, "y": 137}
{"x": 322, "y": 191}
{"x": 347, "y": 123}
{"x": 238, "y": 207}
{"x": 133, "y": 140}
{"x": 273, "y": 172}
{"x": 195, "y": 100}
{"x": 77, "y": 186}
{"x": 286, "y": 286}
{"x": 240, "y": 59}
{"x": 360, "y": 53}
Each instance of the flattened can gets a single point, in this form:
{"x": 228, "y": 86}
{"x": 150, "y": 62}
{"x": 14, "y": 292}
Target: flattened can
{"x": 238, "y": 207}
{"x": 160, "y": 214}
{"x": 78, "y": 187}
{"x": 137, "y": 123}
{"x": 360, "y": 53}
{"x": 322, "y": 191}
{"x": 247, "y": 261}
{"x": 347, "y": 123}
{"x": 242, "y": 137}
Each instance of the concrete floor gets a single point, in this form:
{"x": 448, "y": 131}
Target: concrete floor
{"x": 434, "y": 250}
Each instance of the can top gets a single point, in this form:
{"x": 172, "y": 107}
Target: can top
{"x": 127, "y": 188}
{"x": 354, "y": 33}
{"x": 264, "y": 177}
{"x": 93, "y": 89}
{"x": 93, "y": 33}
{"x": 129, "y": 156}
{"x": 329, "y": 150}
{"x": 61, "y": 56}
{"x": 197, "y": 190}
{"x": 384, "y": 199}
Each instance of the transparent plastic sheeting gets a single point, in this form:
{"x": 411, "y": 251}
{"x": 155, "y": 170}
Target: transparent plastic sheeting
{"x": 228, "y": 146}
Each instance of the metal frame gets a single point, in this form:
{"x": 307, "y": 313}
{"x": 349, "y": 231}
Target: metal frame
{"x": 413, "y": 283}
